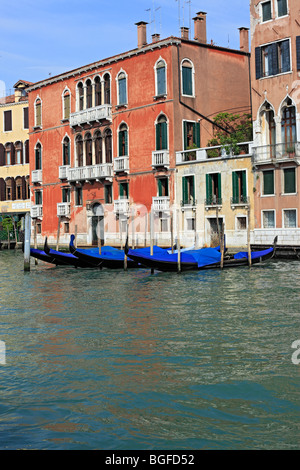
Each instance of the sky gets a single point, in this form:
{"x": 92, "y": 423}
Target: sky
{"x": 42, "y": 38}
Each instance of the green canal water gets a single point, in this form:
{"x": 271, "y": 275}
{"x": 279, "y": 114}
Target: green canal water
{"x": 120, "y": 360}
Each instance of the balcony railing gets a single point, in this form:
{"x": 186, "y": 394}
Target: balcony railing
{"x": 160, "y": 158}
{"x": 63, "y": 172}
{"x": 218, "y": 152}
{"x": 213, "y": 201}
{"x": 240, "y": 201}
{"x": 87, "y": 173}
{"x": 277, "y": 152}
{"x": 86, "y": 116}
{"x": 121, "y": 206}
{"x": 36, "y": 211}
{"x": 161, "y": 204}
{"x": 121, "y": 164}
{"x": 63, "y": 209}
{"x": 189, "y": 202}
{"x": 36, "y": 176}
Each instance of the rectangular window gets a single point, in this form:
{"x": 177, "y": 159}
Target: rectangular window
{"x": 289, "y": 176}
{"x": 108, "y": 193}
{"x": 190, "y": 224}
{"x": 66, "y": 227}
{"x": 18, "y": 157}
{"x": 7, "y": 121}
{"x": 273, "y": 59}
{"x": 239, "y": 187}
{"x": 268, "y": 219}
{"x": 122, "y": 91}
{"x": 65, "y": 194}
{"x": 241, "y": 223}
{"x": 282, "y": 7}
{"x": 123, "y": 190}
{"x": 78, "y": 196}
{"x": 268, "y": 182}
{"x": 188, "y": 191}
{"x": 163, "y": 187}
{"x": 187, "y": 81}
{"x": 266, "y": 11}
{"x": 38, "y": 195}
{"x": 191, "y": 135}
{"x": 213, "y": 189}
{"x": 290, "y": 218}
{"x": 25, "y": 118}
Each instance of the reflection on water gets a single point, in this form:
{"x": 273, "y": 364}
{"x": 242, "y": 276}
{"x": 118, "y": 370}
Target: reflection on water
{"x": 126, "y": 360}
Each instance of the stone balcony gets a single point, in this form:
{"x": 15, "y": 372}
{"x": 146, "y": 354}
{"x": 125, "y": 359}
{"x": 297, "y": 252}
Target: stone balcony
{"x": 266, "y": 154}
{"x": 87, "y": 116}
{"x": 160, "y": 159}
{"x": 214, "y": 153}
{"x": 161, "y": 204}
{"x": 89, "y": 173}
{"x": 121, "y": 164}
{"x": 36, "y": 211}
{"x": 121, "y": 206}
{"x": 37, "y": 176}
{"x": 63, "y": 209}
{"x": 63, "y": 172}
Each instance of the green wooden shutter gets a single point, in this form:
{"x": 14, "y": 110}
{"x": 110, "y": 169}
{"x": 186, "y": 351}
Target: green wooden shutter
{"x": 268, "y": 182}
{"x": 164, "y": 135}
{"x": 185, "y": 142}
{"x": 244, "y": 185}
{"x": 197, "y": 134}
{"x": 219, "y": 186}
{"x": 208, "y": 189}
{"x": 121, "y": 191}
{"x": 126, "y": 142}
{"x": 157, "y": 130}
{"x": 159, "y": 184}
{"x": 184, "y": 190}
{"x": 289, "y": 180}
{"x": 235, "y": 187}
{"x": 192, "y": 189}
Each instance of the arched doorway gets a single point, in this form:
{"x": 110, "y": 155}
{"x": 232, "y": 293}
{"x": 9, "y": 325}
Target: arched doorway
{"x": 97, "y": 223}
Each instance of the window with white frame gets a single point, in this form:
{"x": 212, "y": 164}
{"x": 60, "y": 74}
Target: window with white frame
{"x": 161, "y": 84}
{"x": 266, "y": 11}
{"x": 241, "y": 222}
{"x": 282, "y": 8}
{"x": 38, "y": 112}
{"x": 289, "y": 180}
{"x": 187, "y": 76}
{"x": 122, "y": 88}
{"x": 268, "y": 219}
{"x": 290, "y": 218}
{"x": 66, "y": 104}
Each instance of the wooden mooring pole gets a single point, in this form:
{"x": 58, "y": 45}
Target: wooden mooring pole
{"x": 222, "y": 246}
{"x": 248, "y": 240}
{"x": 27, "y": 242}
{"x": 58, "y": 234}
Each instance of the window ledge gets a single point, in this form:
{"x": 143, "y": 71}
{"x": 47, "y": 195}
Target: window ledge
{"x": 36, "y": 128}
{"x": 64, "y": 120}
{"x": 125, "y": 105}
{"x": 160, "y": 97}
{"x": 277, "y": 75}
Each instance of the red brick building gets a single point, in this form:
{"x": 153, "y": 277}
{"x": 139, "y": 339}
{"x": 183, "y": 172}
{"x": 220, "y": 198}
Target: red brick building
{"x": 103, "y": 137}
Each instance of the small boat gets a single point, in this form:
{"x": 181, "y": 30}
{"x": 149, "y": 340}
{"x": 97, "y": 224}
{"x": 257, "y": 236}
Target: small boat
{"x": 42, "y": 256}
{"x": 191, "y": 260}
{"x": 62, "y": 258}
{"x": 109, "y": 257}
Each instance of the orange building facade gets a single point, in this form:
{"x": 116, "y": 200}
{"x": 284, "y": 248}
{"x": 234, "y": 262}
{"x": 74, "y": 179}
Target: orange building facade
{"x": 275, "y": 71}
{"x": 103, "y": 137}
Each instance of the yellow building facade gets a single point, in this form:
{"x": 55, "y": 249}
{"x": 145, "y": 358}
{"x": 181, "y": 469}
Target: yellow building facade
{"x": 214, "y": 187}
{"x": 14, "y": 154}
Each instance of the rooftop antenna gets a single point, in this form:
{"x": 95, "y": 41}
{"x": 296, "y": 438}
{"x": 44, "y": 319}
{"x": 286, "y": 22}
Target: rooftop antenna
{"x": 159, "y": 8}
{"x": 189, "y": 2}
{"x": 150, "y": 21}
{"x": 178, "y": 15}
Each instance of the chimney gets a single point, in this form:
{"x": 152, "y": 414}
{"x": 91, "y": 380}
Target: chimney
{"x": 200, "y": 27}
{"x": 142, "y": 33}
{"x": 244, "y": 39}
{"x": 155, "y": 37}
{"x": 184, "y": 33}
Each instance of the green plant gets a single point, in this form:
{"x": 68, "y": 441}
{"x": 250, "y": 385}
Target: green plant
{"x": 239, "y": 129}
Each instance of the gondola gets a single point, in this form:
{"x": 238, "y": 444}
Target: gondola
{"x": 191, "y": 260}
{"x": 109, "y": 257}
{"x": 62, "y": 258}
{"x": 42, "y": 256}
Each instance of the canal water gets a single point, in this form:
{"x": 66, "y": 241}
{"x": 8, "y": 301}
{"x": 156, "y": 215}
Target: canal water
{"x": 120, "y": 360}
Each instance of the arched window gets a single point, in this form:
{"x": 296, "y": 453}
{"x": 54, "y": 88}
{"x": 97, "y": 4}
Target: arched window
{"x": 38, "y": 156}
{"x": 66, "y": 104}
{"x": 66, "y": 151}
{"x": 161, "y": 88}
{"x": 2, "y": 189}
{"x": 288, "y": 123}
{"x": 18, "y": 153}
{"x": 89, "y": 94}
{"x": 80, "y": 96}
{"x": 19, "y": 187}
{"x": 10, "y": 189}
{"x": 98, "y": 91}
{"x": 38, "y": 113}
{"x": 26, "y": 145}
{"x": 268, "y": 125}
{"x": 88, "y": 149}
{"x": 108, "y": 146}
{"x": 187, "y": 72}
{"x": 107, "y": 88}
{"x": 79, "y": 150}
{"x": 123, "y": 140}
{"x": 162, "y": 133}
{"x": 9, "y": 154}
{"x": 122, "y": 88}
{"x": 98, "y": 148}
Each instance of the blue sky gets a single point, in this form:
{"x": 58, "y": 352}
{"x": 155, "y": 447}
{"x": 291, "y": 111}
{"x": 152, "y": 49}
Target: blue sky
{"x": 43, "y": 37}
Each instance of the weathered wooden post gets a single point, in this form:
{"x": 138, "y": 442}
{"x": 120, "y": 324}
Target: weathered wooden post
{"x": 27, "y": 242}
{"x": 151, "y": 234}
{"x": 222, "y": 246}
{"x": 178, "y": 245}
{"x": 35, "y": 239}
{"x": 75, "y": 241}
{"x": 133, "y": 230}
{"x": 99, "y": 235}
{"x": 248, "y": 239}
{"x": 172, "y": 234}
{"x": 58, "y": 234}
{"x": 125, "y": 255}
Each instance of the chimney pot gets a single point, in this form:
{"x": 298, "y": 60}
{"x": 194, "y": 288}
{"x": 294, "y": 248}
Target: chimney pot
{"x": 142, "y": 33}
{"x": 155, "y": 37}
{"x": 184, "y": 32}
{"x": 200, "y": 27}
{"x": 244, "y": 39}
